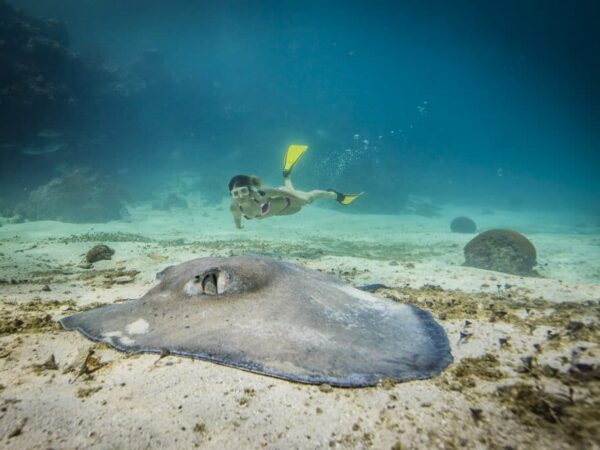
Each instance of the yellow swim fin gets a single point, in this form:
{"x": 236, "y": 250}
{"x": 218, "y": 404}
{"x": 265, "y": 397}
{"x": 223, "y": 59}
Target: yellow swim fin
{"x": 292, "y": 156}
{"x": 345, "y": 199}
{"x": 349, "y": 198}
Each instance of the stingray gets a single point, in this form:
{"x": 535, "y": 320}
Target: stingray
{"x": 273, "y": 318}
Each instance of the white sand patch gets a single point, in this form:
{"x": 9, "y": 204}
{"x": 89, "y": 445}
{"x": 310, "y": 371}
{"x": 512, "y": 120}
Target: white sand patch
{"x": 109, "y": 337}
{"x": 140, "y": 326}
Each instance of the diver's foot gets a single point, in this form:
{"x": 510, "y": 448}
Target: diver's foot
{"x": 292, "y": 156}
{"x": 345, "y": 199}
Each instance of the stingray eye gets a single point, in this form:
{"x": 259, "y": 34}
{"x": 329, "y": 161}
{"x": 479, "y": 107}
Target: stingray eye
{"x": 209, "y": 284}
{"x": 213, "y": 282}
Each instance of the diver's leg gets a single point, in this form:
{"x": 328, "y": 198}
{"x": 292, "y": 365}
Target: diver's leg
{"x": 310, "y": 196}
{"x": 292, "y": 156}
{"x": 287, "y": 182}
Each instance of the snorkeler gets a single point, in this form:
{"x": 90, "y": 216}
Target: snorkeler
{"x": 252, "y": 201}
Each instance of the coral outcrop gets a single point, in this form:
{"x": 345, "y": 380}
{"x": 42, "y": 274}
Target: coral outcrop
{"x": 503, "y": 251}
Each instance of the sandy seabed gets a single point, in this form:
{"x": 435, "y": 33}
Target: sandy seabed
{"x": 526, "y": 371}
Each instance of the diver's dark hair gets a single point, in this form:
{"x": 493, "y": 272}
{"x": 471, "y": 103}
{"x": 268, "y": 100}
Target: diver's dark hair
{"x": 244, "y": 180}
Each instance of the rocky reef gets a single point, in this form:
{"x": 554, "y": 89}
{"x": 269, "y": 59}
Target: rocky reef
{"x": 62, "y": 108}
{"x": 42, "y": 84}
{"x": 48, "y": 90}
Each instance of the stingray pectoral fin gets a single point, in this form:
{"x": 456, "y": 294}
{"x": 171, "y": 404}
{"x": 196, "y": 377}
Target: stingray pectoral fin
{"x": 435, "y": 354}
{"x": 160, "y": 275}
{"x": 112, "y": 324}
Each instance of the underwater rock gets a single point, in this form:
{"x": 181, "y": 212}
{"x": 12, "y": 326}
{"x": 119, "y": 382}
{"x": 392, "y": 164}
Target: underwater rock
{"x": 98, "y": 253}
{"x": 503, "y": 251}
{"x": 78, "y": 196}
{"x": 170, "y": 202}
{"x": 463, "y": 224}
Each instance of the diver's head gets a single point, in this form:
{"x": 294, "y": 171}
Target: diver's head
{"x": 244, "y": 180}
{"x": 242, "y": 186}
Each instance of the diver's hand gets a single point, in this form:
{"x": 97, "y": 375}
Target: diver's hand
{"x": 237, "y": 216}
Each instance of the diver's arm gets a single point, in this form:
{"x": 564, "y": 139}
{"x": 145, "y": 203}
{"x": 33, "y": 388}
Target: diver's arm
{"x": 237, "y": 216}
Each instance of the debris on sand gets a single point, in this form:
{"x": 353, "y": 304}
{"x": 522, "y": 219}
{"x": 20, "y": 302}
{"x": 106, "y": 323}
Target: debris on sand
{"x": 90, "y": 364}
{"x": 17, "y": 430}
{"x": 49, "y": 364}
{"x": 84, "y": 392}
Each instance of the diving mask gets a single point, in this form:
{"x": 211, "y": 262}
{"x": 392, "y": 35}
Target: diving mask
{"x": 240, "y": 192}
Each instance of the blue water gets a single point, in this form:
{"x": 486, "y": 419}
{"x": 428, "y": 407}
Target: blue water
{"x": 488, "y": 104}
